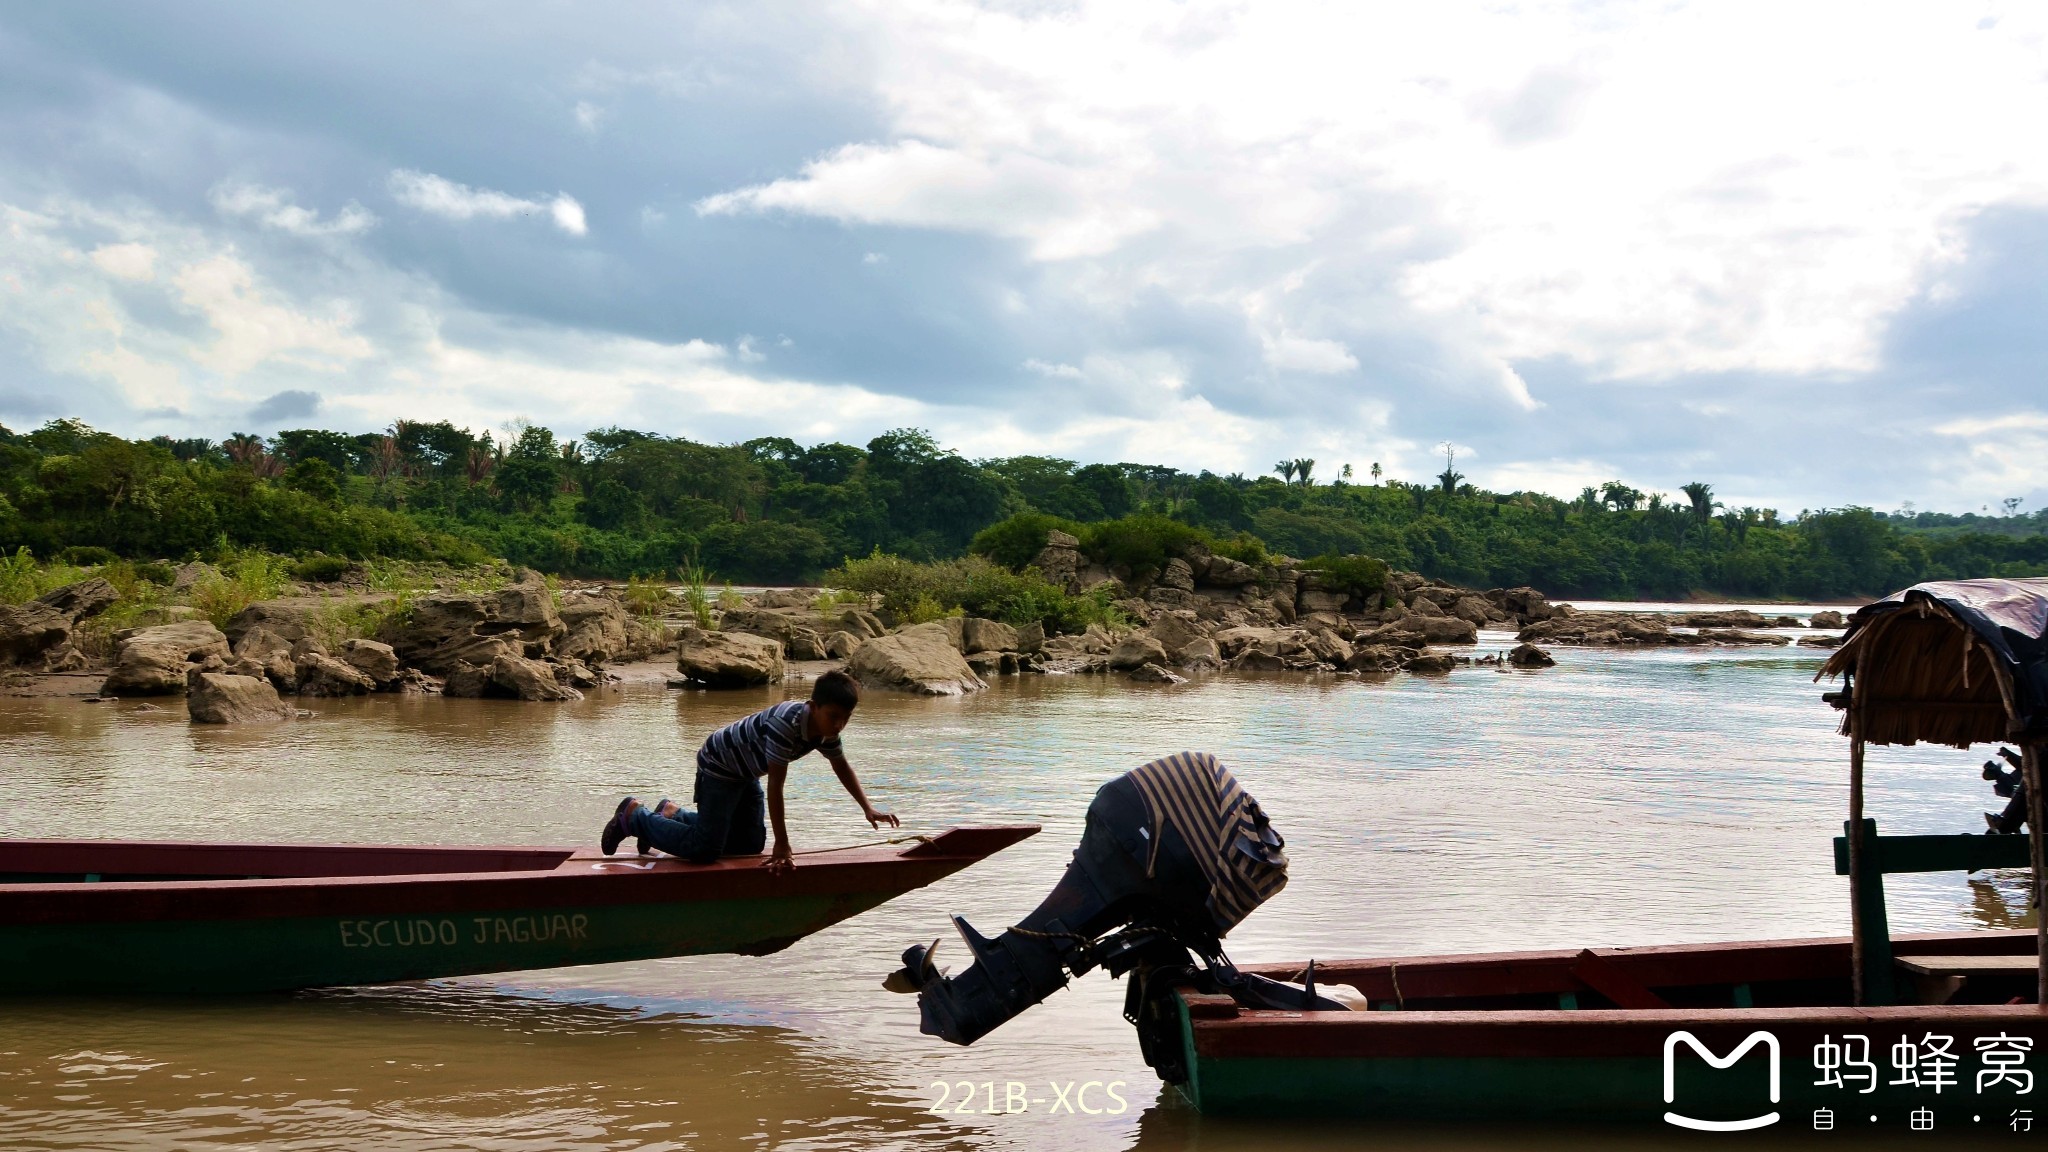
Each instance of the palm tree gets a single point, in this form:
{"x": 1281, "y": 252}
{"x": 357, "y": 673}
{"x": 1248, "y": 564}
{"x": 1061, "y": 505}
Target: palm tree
{"x": 1302, "y": 471}
{"x": 1286, "y": 470}
{"x": 1703, "y": 504}
{"x": 1375, "y": 472}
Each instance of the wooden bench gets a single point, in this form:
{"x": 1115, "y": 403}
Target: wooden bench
{"x": 1882, "y": 854}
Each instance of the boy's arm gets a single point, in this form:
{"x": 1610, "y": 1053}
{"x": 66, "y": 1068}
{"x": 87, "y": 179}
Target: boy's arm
{"x": 851, "y": 783}
{"x": 779, "y": 858}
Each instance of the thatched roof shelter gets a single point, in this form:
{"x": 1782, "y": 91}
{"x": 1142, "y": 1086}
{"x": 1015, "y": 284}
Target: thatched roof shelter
{"x": 1951, "y": 662}
{"x": 1954, "y": 662}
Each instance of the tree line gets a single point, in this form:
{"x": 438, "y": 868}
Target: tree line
{"x": 619, "y": 502}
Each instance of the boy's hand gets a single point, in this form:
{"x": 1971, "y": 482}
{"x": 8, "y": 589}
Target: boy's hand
{"x": 779, "y": 861}
{"x": 877, "y": 819}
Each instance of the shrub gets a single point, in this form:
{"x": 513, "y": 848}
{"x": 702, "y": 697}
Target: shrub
{"x": 913, "y": 593}
{"x": 156, "y": 572}
{"x": 648, "y": 599}
{"x": 322, "y": 569}
{"x": 1141, "y": 543}
{"x": 86, "y": 555}
{"x": 241, "y": 581}
{"x": 1015, "y": 542}
{"x": 1362, "y": 576}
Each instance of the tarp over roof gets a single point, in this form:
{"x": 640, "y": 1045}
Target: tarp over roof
{"x": 1951, "y": 661}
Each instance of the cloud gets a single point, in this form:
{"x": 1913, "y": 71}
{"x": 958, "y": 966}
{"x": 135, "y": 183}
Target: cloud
{"x": 273, "y": 208}
{"x": 1290, "y": 353}
{"x": 438, "y": 196}
{"x": 287, "y": 405}
{"x": 126, "y": 261}
{"x": 253, "y": 327}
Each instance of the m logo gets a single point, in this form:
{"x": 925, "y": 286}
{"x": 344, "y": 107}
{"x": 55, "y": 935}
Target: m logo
{"x": 1671, "y": 1044}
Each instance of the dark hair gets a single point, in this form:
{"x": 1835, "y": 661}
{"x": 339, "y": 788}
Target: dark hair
{"x": 837, "y": 689}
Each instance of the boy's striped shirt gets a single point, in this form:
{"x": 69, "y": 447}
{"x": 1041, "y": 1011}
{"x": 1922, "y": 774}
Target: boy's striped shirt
{"x": 1230, "y": 837}
{"x": 746, "y": 747}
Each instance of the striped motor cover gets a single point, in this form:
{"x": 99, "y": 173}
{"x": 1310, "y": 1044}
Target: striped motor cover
{"x": 1195, "y": 794}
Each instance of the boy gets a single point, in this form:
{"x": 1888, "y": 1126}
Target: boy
{"x": 730, "y": 765}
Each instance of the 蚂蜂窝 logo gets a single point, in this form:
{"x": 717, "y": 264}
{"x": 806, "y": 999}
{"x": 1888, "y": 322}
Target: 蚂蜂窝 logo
{"x": 1671, "y": 1044}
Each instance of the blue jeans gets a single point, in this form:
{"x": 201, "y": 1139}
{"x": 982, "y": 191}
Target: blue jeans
{"x": 731, "y": 820}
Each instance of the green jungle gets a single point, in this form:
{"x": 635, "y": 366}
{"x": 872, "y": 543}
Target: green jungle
{"x": 619, "y": 503}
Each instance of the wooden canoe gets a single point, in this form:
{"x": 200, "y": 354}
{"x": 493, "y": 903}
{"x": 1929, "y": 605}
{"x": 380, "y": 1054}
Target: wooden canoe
{"x": 1639, "y": 1034}
{"x": 132, "y": 917}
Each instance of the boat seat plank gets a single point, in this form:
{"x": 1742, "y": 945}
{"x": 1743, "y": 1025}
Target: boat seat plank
{"x": 1610, "y": 980}
{"x": 1965, "y": 965}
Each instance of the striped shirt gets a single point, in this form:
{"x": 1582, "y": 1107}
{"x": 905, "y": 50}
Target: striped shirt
{"x": 747, "y": 747}
{"x": 1224, "y": 828}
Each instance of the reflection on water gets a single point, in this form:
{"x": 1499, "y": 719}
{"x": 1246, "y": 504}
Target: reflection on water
{"x": 1636, "y": 797}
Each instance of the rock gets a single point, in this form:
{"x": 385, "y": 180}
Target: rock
{"x": 786, "y": 598}
{"x": 1735, "y": 637}
{"x": 1177, "y": 574}
{"x": 1415, "y": 630}
{"x": 986, "y": 664}
{"x": 862, "y": 623}
{"x": 373, "y": 659}
{"x": 842, "y": 645}
{"x": 440, "y": 631}
{"x": 1827, "y": 618}
{"x": 529, "y": 680}
{"x": 574, "y": 673}
{"x": 219, "y": 698}
{"x": 1525, "y": 605}
{"x": 294, "y": 617}
{"x": 729, "y": 659}
{"x": 273, "y": 653}
{"x": 1267, "y": 649}
{"x": 322, "y": 675}
{"x": 1471, "y": 608}
{"x": 1154, "y": 674}
{"x": 1137, "y": 649}
{"x": 1379, "y": 658}
{"x": 1329, "y": 647}
{"x": 1227, "y": 573}
{"x": 466, "y": 681}
{"x": 1820, "y": 641}
{"x": 1060, "y": 560}
{"x": 1604, "y": 629}
{"x": 1430, "y": 664}
{"x": 1176, "y": 630}
{"x": 155, "y": 661}
{"x": 1030, "y": 638}
{"x": 799, "y": 640}
{"x": 1421, "y": 604}
{"x": 1317, "y": 600}
{"x": 1530, "y": 656}
{"x": 38, "y": 633}
{"x": 978, "y": 635}
{"x": 922, "y": 659}
{"x": 1787, "y": 622}
{"x": 1736, "y": 618}
{"x": 1201, "y": 653}
{"x": 594, "y": 628}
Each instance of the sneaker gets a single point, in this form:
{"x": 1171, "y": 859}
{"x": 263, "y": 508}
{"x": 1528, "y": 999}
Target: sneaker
{"x": 615, "y": 828}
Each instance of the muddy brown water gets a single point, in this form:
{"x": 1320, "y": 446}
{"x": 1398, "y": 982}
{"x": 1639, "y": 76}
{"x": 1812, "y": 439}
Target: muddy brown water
{"x": 1620, "y": 798}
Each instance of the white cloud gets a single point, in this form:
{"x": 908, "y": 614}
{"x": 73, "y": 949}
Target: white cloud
{"x": 1648, "y": 191}
{"x": 273, "y": 208}
{"x": 1044, "y": 368}
{"x": 438, "y": 196}
{"x": 1290, "y": 353}
{"x": 588, "y": 115}
{"x": 126, "y": 261}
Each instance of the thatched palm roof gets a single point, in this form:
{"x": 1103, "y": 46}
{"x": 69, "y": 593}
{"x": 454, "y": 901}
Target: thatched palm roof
{"x": 1951, "y": 662}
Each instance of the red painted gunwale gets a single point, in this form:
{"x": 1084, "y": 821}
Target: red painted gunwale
{"x": 389, "y": 880}
{"x": 1220, "y": 1029}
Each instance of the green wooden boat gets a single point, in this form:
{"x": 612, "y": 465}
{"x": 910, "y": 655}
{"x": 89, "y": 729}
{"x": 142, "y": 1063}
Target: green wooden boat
{"x": 131, "y": 917}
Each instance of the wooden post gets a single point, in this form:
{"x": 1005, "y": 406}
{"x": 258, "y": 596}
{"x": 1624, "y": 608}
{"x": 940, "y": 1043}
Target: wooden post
{"x": 2037, "y": 848}
{"x": 1857, "y": 943}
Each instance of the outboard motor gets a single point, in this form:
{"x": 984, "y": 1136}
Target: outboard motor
{"x": 1174, "y": 855}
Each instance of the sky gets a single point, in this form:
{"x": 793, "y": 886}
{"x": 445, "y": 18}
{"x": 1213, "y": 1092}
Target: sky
{"x": 1793, "y": 250}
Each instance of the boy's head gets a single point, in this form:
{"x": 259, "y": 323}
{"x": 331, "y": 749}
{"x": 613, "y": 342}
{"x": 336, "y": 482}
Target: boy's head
{"x": 833, "y": 699}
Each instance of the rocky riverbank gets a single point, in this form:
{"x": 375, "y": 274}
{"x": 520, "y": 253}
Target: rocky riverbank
{"x": 1198, "y": 613}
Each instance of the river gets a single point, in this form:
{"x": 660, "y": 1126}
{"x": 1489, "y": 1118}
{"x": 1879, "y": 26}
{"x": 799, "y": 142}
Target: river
{"x": 1623, "y": 797}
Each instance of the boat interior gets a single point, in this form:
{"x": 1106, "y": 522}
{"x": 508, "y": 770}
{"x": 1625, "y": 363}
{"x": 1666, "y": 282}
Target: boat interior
{"x": 90, "y": 862}
{"x": 1953, "y": 968}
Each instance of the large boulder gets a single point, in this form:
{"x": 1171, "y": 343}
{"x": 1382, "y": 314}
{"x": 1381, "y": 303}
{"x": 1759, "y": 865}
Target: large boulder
{"x": 1176, "y": 630}
{"x": 1530, "y": 656}
{"x": 445, "y": 629}
{"x": 38, "y": 633}
{"x": 272, "y": 653}
{"x": 319, "y": 674}
{"x": 1471, "y": 608}
{"x": 1737, "y": 637}
{"x": 1136, "y": 650}
{"x": 219, "y": 698}
{"x": 594, "y": 628}
{"x": 1227, "y": 573}
{"x": 373, "y": 659}
{"x": 1060, "y": 560}
{"x": 1320, "y": 600}
{"x": 1827, "y": 618}
{"x": 786, "y": 597}
{"x": 1177, "y": 574}
{"x": 1605, "y": 629}
{"x": 1733, "y": 618}
{"x": 843, "y": 644}
{"x": 978, "y": 635}
{"x": 799, "y": 640}
{"x": 156, "y": 661}
{"x": 529, "y": 680}
{"x": 1266, "y": 649}
{"x": 862, "y": 623}
{"x": 1430, "y": 664}
{"x": 1155, "y": 674}
{"x": 1030, "y": 638}
{"x": 1416, "y": 630}
{"x": 1201, "y": 653}
{"x": 923, "y": 659}
{"x": 729, "y": 659}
